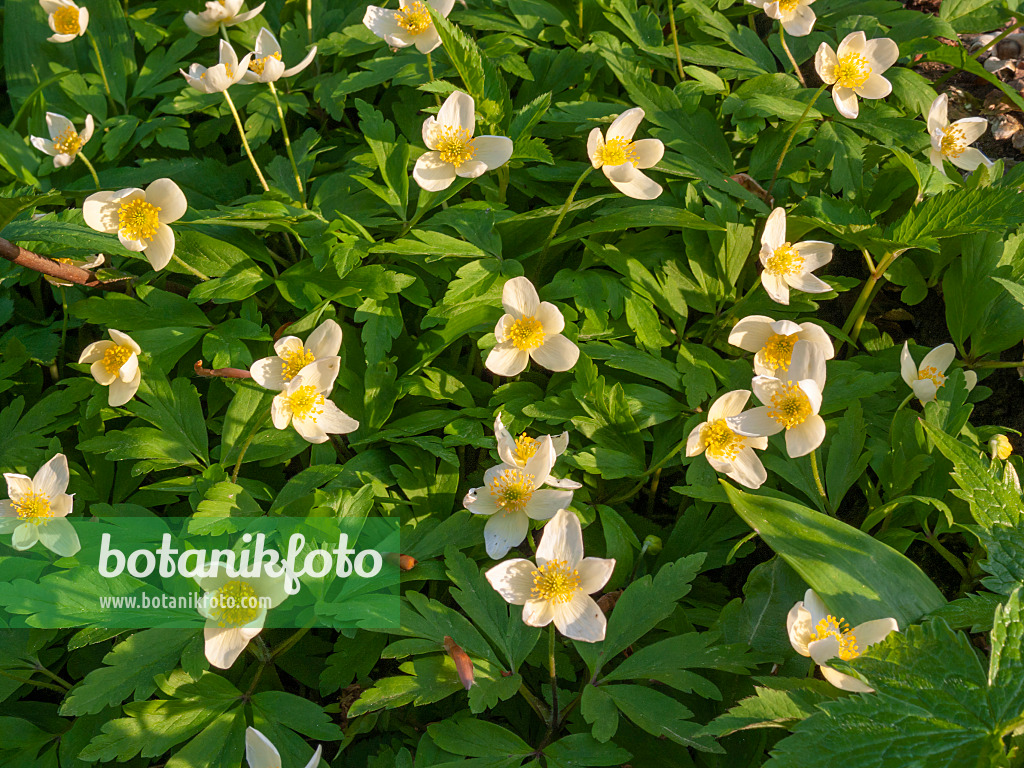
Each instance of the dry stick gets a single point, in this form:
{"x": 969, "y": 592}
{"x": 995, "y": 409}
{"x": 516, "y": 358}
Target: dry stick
{"x": 220, "y": 373}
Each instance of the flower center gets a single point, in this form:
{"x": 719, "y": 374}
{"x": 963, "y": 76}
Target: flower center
{"x": 512, "y": 490}
{"x": 790, "y": 405}
{"x": 525, "y": 448}
{"x": 788, "y": 6}
{"x": 953, "y": 142}
{"x": 115, "y": 357}
{"x": 932, "y": 374}
{"x": 720, "y": 442}
{"x": 616, "y": 152}
{"x": 295, "y": 360}
{"x": 68, "y": 143}
{"x": 138, "y": 220}
{"x": 414, "y": 17}
{"x": 830, "y": 626}
{"x": 33, "y": 507}
{"x": 65, "y": 21}
{"x": 306, "y": 403}
{"x": 257, "y": 65}
{"x": 852, "y": 71}
{"x": 555, "y": 582}
{"x": 526, "y": 333}
{"x": 237, "y": 603}
{"x": 785, "y": 260}
{"x": 778, "y": 350}
{"x": 455, "y": 145}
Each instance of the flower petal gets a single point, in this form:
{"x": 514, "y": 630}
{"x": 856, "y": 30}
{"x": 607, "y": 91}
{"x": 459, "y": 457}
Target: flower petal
{"x": 504, "y": 530}
{"x": 562, "y": 540}
{"x": 747, "y": 469}
{"x": 325, "y": 341}
{"x": 513, "y": 580}
{"x": 492, "y": 151}
{"x": 882, "y": 53}
{"x": 550, "y": 318}
{"x": 557, "y": 353}
{"x": 161, "y": 248}
{"x": 432, "y": 173}
{"x": 937, "y": 114}
{"x": 225, "y": 644}
{"x": 519, "y": 298}
{"x": 120, "y": 392}
{"x": 908, "y": 368}
{"x": 805, "y": 437}
{"x": 752, "y": 332}
{"x": 168, "y": 197}
{"x": 729, "y": 404}
{"x": 581, "y": 619}
{"x": 875, "y": 87}
{"x": 545, "y": 503}
{"x": 505, "y": 359}
{"x": 815, "y": 253}
{"x": 939, "y": 358}
{"x": 755, "y": 423}
{"x": 53, "y": 477}
{"x": 458, "y": 111}
{"x": 970, "y": 159}
{"x": 259, "y": 752}
{"x": 59, "y": 536}
{"x": 639, "y": 186}
{"x": 846, "y": 102}
{"x": 648, "y": 152}
{"x": 625, "y": 125}
{"x": 100, "y": 211}
{"x": 268, "y": 372}
{"x": 594, "y": 573}
{"x": 538, "y": 613}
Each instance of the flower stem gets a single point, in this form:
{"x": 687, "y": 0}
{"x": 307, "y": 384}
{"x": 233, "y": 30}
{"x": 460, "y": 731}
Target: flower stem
{"x": 430, "y": 78}
{"x": 245, "y": 447}
{"x": 289, "y": 642}
{"x": 859, "y": 313}
{"x": 99, "y": 63}
{"x": 189, "y": 267}
{"x": 554, "y": 678}
{"x": 789, "y": 55}
{"x": 675, "y": 39}
{"x": 565, "y": 209}
{"x": 817, "y": 480}
{"x": 245, "y": 141}
{"x": 92, "y": 170}
{"x": 309, "y": 20}
{"x": 288, "y": 144}
{"x": 792, "y": 134}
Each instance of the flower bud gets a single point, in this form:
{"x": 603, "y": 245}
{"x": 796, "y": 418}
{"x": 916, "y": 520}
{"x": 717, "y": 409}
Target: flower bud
{"x": 1000, "y": 447}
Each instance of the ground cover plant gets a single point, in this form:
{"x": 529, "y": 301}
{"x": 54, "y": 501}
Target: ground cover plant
{"x": 682, "y": 341}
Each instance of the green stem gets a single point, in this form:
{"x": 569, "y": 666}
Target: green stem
{"x": 643, "y": 478}
{"x": 792, "y": 134}
{"x": 245, "y": 447}
{"x": 245, "y": 141}
{"x": 99, "y": 63}
{"x": 55, "y": 677}
{"x": 859, "y": 313}
{"x": 789, "y": 55}
{"x": 998, "y": 364}
{"x": 675, "y": 39}
{"x": 27, "y": 681}
{"x": 288, "y": 143}
{"x": 946, "y": 555}
{"x": 85, "y": 160}
{"x": 565, "y": 210}
{"x": 817, "y": 480}
{"x": 189, "y": 267}
{"x": 287, "y": 644}
{"x": 554, "y": 679}
{"x": 309, "y": 20}
{"x": 536, "y": 704}
{"x": 430, "y": 78}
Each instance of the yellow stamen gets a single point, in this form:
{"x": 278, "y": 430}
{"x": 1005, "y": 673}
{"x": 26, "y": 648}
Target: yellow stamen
{"x": 526, "y": 447}
{"x": 830, "y": 626}
{"x": 138, "y": 219}
{"x": 720, "y": 442}
{"x": 68, "y": 143}
{"x": 788, "y": 6}
{"x": 295, "y": 360}
{"x": 953, "y": 142}
{"x": 784, "y": 261}
{"x": 237, "y": 604}
{"x": 778, "y": 351}
{"x": 790, "y": 405}
{"x": 852, "y": 71}
{"x": 33, "y": 507}
{"x": 526, "y": 333}
{"x": 306, "y": 403}
{"x": 616, "y": 152}
{"x": 257, "y": 65}
{"x": 932, "y": 374}
{"x": 414, "y": 18}
{"x": 115, "y": 357}
{"x": 512, "y": 490}
{"x": 554, "y": 581}
{"x": 455, "y": 144}
{"x": 65, "y": 21}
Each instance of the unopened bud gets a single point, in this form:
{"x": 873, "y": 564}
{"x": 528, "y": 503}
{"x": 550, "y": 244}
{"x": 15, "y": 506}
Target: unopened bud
{"x": 607, "y": 602}
{"x": 1000, "y": 447}
{"x": 652, "y": 544}
{"x": 463, "y": 664}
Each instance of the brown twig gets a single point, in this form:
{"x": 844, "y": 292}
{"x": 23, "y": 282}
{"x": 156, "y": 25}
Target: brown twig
{"x": 221, "y": 373}
{"x": 66, "y": 272}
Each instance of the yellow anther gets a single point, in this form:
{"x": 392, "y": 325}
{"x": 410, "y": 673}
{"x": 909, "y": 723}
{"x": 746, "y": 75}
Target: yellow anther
{"x": 235, "y": 604}
{"x": 953, "y": 142}
{"x": 526, "y": 333}
{"x": 526, "y": 447}
{"x": 778, "y": 351}
{"x": 830, "y": 626}
{"x": 414, "y": 18}
{"x": 257, "y": 65}
{"x": 932, "y": 374}
{"x": 788, "y": 6}
{"x": 512, "y": 490}
{"x": 554, "y": 581}
{"x": 852, "y": 71}
{"x": 617, "y": 151}
{"x": 720, "y": 442}
{"x": 33, "y": 507}
{"x": 68, "y": 143}
{"x": 115, "y": 357}
{"x": 790, "y": 405}
{"x": 306, "y": 403}
{"x": 454, "y": 144}
{"x": 138, "y": 219}
{"x": 295, "y": 360}
{"x": 65, "y": 21}
{"x": 785, "y": 260}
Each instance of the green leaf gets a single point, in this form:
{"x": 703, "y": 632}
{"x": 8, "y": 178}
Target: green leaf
{"x": 579, "y": 749}
{"x": 660, "y": 715}
{"x": 477, "y": 738}
{"x": 854, "y": 574}
{"x": 779, "y": 702}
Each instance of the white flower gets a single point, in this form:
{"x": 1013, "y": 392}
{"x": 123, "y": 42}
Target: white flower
{"x": 953, "y": 141}
{"x": 512, "y": 496}
{"x": 816, "y": 633}
{"x": 453, "y": 150}
{"x": 37, "y": 509}
{"x": 516, "y": 451}
{"x": 66, "y": 19}
{"x": 926, "y": 379}
{"x": 219, "y": 13}
{"x": 304, "y": 404}
{"x": 235, "y": 609}
{"x": 856, "y": 70}
{"x": 727, "y": 451}
{"x": 222, "y": 75}
{"x": 559, "y": 586}
{"x": 530, "y": 328}
{"x": 260, "y": 753}
{"x": 796, "y": 16}
{"x": 620, "y": 157}
{"x": 139, "y": 218}
{"x": 772, "y": 341}
{"x": 80, "y": 263}
{"x": 115, "y": 364}
{"x": 292, "y": 355}
{"x": 266, "y": 65}
{"x": 791, "y": 403}
{"x": 787, "y": 265}
{"x": 409, "y": 25}
{"x": 65, "y": 142}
